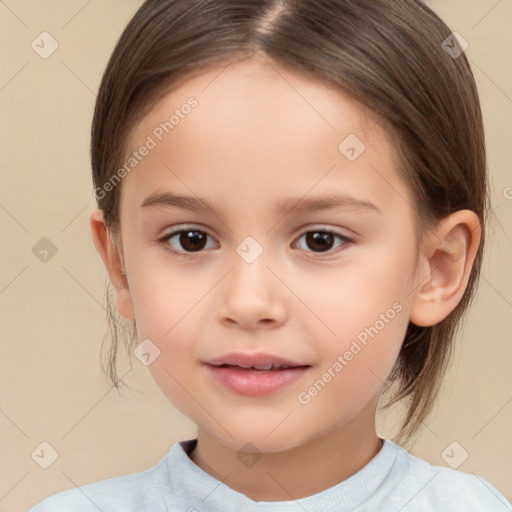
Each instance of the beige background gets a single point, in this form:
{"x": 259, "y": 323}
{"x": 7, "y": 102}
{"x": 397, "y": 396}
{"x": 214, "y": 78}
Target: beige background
{"x": 53, "y": 318}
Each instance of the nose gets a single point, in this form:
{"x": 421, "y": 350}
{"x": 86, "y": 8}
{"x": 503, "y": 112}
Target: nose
{"x": 252, "y": 296}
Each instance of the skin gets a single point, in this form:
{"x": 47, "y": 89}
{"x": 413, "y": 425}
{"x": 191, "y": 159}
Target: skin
{"x": 261, "y": 134}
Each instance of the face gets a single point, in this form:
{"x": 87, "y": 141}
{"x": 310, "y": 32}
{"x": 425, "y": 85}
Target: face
{"x": 306, "y": 250}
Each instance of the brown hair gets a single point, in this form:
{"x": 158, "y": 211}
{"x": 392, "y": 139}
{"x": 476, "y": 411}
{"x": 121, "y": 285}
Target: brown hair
{"x": 387, "y": 54}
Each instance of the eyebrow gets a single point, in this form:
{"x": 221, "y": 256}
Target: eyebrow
{"x": 168, "y": 200}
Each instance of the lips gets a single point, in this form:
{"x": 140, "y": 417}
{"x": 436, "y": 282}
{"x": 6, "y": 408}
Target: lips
{"x": 255, "y": 375}
{"x": 255, "y": 383}
{"x": 268, "y": 367}
{"x": 257, "y": 361}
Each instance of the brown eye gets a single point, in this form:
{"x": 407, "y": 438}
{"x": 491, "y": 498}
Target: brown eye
{"x": 186, "y": 241}
{"x": 192, "y": 240}
{"x": 320, "y": 241}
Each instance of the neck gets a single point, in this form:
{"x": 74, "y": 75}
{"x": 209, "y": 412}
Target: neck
{"x": 296, "y": 473}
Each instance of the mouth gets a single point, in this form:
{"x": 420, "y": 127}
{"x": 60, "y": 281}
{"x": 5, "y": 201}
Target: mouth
{"x": 260, "y": 368}
{"x": 255, "y": 361}
{"x": 258, "y": 380}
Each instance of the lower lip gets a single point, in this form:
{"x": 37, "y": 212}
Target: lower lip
{"x": 256, "y": 382}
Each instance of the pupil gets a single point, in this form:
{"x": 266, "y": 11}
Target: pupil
{"x": 321, "y": 239}
{"x": 193, "y": 240}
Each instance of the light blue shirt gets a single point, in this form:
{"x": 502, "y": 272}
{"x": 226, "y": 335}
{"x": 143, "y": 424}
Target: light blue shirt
{"x": 393, "y": 481}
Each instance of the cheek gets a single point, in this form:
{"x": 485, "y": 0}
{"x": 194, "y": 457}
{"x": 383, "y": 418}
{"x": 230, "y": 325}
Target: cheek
{"x": 168, "y": 311}
{"x": 366, "y": 353}
{"x": 341, "y": 305}
{"x": 177, "y": 370}
{"x": 177, "y": 386}
{"x": 163, "y": 297}
{"x": 352, "y": 373}
{"x": 369, "y": 280}
{"x": 364, "y": 317}
{"x": 380, "y": 343}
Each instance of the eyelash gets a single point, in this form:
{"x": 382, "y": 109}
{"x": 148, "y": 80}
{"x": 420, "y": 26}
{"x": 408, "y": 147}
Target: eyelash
{"x": 164, "y": 240}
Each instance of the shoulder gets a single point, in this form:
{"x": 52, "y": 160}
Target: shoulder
{"x": 127, "y": 493}
{"x": 424, "y": 486}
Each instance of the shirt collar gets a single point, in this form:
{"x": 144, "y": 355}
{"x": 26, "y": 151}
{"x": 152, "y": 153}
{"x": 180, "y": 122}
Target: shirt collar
{"x": 187, "y": 485}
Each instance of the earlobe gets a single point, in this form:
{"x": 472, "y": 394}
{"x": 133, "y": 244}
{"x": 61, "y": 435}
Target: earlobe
{"x": 446, "y": 265}
{"x": 113, "y": 263}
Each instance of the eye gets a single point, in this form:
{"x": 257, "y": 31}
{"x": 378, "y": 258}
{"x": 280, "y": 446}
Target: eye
{"x": 191, "y": 240}
{"x": 322, "y": 240}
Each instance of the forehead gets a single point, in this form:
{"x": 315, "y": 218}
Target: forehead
{"x": 261, "y": 93}
{"x": 255, "y": 125}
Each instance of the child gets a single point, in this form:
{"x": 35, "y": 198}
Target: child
{"x": 327, "y": 159}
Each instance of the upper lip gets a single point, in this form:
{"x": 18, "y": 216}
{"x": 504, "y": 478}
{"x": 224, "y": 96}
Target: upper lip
{"x": 247, "y": 360}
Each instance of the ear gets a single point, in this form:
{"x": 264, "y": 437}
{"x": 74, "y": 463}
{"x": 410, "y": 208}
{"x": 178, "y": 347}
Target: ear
{"x": 446, "y": 260}
{"x": 113, "y": 263}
